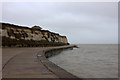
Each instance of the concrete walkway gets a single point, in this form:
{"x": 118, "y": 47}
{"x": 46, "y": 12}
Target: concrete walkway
{"x": 31, "y": 63}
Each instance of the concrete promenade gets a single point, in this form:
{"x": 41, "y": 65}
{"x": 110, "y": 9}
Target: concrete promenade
{"x": 31, "y": 63}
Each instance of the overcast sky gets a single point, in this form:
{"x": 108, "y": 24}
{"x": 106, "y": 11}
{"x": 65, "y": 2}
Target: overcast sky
{"x": 83, "y": 23}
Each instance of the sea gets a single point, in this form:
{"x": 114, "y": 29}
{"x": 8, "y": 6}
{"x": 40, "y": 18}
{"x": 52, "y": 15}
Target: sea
{"x": 89, "y": 60}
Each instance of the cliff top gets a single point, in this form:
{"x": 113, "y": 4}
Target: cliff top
{"x": 34, "y": 28}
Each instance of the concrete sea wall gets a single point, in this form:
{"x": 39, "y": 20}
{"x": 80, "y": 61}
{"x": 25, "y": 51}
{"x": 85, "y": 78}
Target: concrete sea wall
{"x": 32, "y": 64}
{"x": 61, "y": 73}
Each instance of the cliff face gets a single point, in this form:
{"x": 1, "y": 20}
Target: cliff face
{"x": 18, "y": 33}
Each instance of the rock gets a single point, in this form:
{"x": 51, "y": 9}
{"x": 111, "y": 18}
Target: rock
{"x": 35, "y": 33}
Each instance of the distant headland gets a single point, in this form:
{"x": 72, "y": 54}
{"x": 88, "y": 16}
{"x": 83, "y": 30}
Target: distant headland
{"x": 20, "y": 36}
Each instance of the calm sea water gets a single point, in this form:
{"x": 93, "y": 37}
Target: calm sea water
{"x": 90, "y": 61}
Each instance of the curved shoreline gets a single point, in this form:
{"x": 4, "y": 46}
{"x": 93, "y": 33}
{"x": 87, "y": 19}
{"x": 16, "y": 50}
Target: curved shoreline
{"x": 61, "y": 73}
{"x": 32, "y": 63}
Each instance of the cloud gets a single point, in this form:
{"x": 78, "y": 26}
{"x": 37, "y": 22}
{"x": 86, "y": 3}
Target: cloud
{"x": 85, "y": 23}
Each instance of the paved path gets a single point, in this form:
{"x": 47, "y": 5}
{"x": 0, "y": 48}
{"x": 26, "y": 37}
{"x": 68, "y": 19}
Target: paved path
{"x": 30, "y": 63}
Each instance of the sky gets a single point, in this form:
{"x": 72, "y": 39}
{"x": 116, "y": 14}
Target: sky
{"x": 80, "y": 22}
